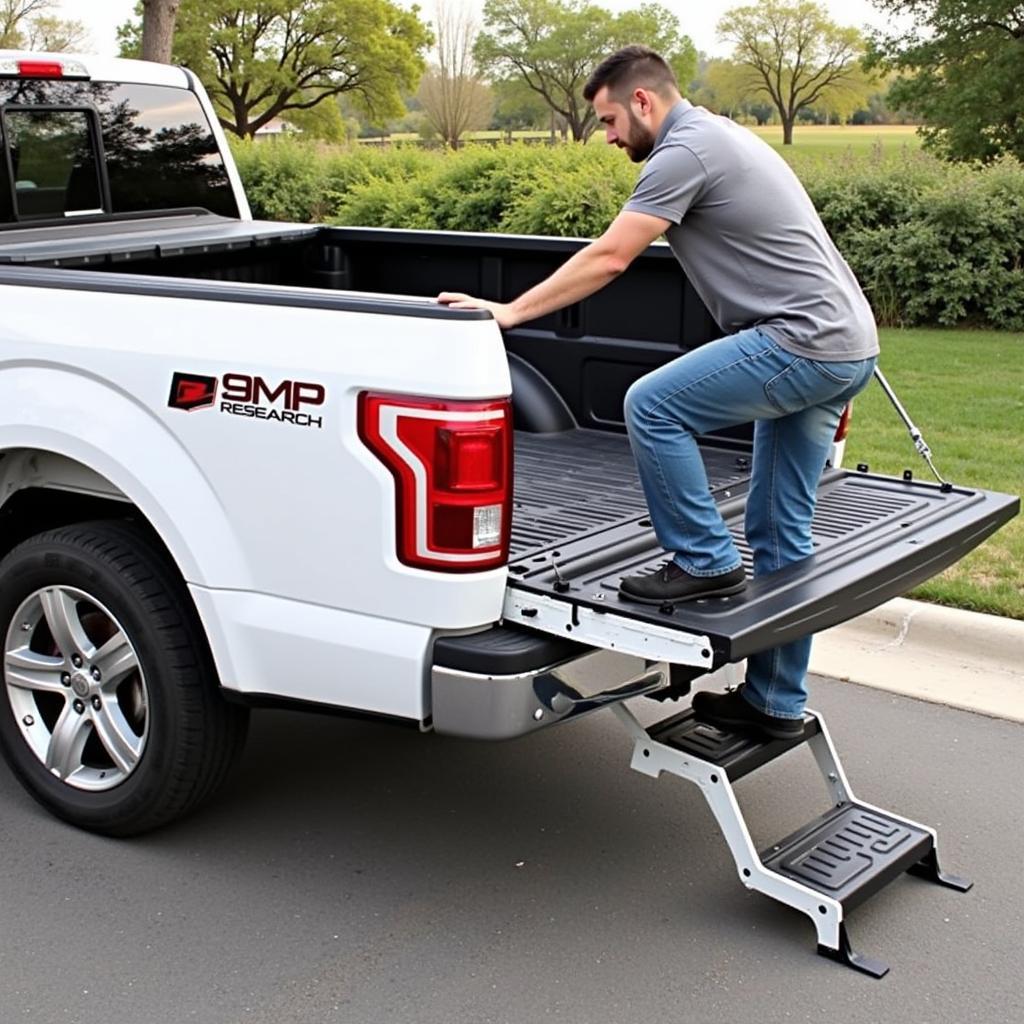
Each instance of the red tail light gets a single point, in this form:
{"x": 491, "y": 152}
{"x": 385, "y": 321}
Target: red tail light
{"x": 844, "y": 423}
{"x": 452, "y": 465}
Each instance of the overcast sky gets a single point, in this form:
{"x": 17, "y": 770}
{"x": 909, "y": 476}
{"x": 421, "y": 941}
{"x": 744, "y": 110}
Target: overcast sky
{"x": 697, "y": 17}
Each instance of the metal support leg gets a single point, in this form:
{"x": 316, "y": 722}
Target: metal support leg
{"x": 829, "y": 764}
{"x": 846, "y": 956}
{"x": 928, "y": 867}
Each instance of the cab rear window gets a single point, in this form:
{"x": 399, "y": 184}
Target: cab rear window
{"x": 72, "y": 148}
{"x": 52, "y": 162}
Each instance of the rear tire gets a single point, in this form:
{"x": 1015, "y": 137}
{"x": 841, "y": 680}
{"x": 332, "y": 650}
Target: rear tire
{"x": 110, "y": 714}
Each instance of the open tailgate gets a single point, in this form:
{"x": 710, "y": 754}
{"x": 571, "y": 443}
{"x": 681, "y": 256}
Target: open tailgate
{"x": 875, "y": 538}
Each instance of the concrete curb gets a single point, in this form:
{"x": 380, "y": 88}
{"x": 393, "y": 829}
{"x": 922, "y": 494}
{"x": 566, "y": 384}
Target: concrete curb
{"x": 961, "y": 659}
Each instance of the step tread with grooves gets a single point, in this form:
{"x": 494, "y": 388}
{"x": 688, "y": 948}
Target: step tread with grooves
{"x": 850, "y": 852}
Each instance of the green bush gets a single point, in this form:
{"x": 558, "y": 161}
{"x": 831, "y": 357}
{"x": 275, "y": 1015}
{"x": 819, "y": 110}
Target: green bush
{"x": 472, "y": 191}
{"x": 385, "y": 202}
{"x": 570, "y": 197}
{"x": 284, "y": 180}
{"x": 930, "y": 242}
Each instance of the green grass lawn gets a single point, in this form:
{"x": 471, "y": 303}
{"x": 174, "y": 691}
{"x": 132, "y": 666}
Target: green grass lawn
{"x": 965, "y": 392}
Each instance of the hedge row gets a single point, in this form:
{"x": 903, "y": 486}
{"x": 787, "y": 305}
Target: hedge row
{"x": 930, "y": 242}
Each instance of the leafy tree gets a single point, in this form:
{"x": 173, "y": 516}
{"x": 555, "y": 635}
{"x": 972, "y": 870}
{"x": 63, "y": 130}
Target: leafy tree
{"x": 323, "y": 121}
{"x": 56, "y": 35}
{"x": 261, "y": 59}
{"x": 726, "y": 86}
{"x": 730, "y": 88}
{"x": 13, "y": 16}
{"x": 879, "y": 108}
{"x": 838, "y": 102}
{"x": 454, "y": 97}
{"x": 963, "y": 72}
{"x": 31, "y": 25}
{"x": 796, "y": 51}
{"x": 553, "y": 45}
{"x": 517, "y": 106}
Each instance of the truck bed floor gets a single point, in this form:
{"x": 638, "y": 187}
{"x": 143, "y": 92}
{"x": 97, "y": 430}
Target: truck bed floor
{"x": 578, "y": 482}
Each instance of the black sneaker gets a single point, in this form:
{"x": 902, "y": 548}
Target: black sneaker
{"x": 670, "y": 583}
{"x": 730, "y": 711}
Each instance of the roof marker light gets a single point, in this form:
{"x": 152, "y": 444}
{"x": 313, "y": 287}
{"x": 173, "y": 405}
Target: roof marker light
{"x": 12, "y": 68}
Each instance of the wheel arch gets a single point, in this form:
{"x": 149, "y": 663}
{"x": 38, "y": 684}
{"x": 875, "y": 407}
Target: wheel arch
{"x": 64, "y": 479}
{"x": 43, "y": 489}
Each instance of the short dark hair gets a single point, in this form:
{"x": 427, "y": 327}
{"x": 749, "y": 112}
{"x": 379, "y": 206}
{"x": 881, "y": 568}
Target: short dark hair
{"x": 630, "y": 68}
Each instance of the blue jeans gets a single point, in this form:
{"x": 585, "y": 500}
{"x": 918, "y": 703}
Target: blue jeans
{"x": 796, "y": 404}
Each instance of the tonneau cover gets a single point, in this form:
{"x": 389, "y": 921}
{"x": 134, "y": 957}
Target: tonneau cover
{"x": 80, "y": 244}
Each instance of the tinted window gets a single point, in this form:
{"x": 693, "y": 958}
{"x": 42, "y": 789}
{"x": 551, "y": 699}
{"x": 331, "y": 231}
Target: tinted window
{"x": 159, "y": 152}
{"x": 53, "y": 162}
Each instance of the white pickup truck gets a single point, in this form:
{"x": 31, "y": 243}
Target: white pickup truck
{"x": 241, "y": 464}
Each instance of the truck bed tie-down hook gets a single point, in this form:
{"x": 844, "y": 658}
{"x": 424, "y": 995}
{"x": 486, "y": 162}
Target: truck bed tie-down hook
{"x": 561, "y": 583}
{"x": 915, "y": 435}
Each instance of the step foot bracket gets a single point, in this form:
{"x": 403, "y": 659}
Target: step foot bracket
{"x": 928, "y": 868}
{"x": 846, "y": 956}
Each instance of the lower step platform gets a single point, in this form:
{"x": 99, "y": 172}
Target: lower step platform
{"x": 849, "y": 853}
{"x": 828, "y": 866}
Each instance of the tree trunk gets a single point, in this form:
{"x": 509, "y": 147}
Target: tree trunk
{"x": 158, "y": 18}
{"x": 787, "y": 131}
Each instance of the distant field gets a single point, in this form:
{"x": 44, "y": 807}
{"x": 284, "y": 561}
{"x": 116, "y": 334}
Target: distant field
{"x": 856, "y": 137}
{"x": 965, "y": 392}
{"x": 810, "y": 140}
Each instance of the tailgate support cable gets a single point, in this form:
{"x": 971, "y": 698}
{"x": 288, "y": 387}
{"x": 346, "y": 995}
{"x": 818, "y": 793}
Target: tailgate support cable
{"x": 915, "y": 435}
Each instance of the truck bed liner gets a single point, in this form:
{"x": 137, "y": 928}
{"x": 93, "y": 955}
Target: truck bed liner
{"x": 573, "y": 484}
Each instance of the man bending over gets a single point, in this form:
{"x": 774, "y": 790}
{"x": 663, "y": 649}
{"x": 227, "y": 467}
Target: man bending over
{"x": 801, "y": 342}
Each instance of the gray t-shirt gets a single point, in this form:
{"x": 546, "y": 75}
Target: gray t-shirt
{"x": 749, "y": 238}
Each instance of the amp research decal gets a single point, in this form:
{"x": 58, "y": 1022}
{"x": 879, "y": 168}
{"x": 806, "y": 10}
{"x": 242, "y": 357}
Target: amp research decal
{"x": 241, "y": 394}
{"x": 190, "y": 391}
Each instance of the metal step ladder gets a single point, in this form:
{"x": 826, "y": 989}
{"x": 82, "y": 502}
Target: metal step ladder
{"x": 827, "y": 867}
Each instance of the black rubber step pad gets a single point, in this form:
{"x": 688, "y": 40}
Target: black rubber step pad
{"x": 736, "y": 753}
{"x": 849, "y": 853}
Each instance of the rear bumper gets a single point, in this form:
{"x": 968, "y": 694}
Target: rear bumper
{"x": 508, "y": 682}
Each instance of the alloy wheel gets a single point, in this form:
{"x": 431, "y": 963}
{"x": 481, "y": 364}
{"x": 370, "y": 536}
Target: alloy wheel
{"x": 76, "y": 687}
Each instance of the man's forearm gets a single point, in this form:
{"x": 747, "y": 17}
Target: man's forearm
{"x": 586, "y": 272}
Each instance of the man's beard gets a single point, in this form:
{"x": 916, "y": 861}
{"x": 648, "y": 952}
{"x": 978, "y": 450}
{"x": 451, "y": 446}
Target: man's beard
{"x": 641, "y": 140}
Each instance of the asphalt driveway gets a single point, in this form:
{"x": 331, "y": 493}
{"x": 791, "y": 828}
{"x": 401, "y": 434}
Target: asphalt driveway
{"x": 361, "y": 873}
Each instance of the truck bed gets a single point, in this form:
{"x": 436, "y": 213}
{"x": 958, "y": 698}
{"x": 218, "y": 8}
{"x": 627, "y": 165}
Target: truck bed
{"x": 579, "y": 519}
